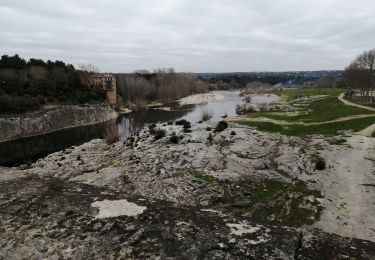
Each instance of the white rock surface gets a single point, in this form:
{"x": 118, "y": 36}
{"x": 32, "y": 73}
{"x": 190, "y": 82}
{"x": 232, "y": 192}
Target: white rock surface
{"x": 116, "y": 208}
{"x": 200, "y": 98}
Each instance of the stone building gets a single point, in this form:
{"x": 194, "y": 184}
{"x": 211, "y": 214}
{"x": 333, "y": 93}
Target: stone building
{"x": 106, "y": 81}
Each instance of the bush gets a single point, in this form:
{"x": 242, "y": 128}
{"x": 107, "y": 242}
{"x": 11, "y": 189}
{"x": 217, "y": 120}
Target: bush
{"x": 233, "y": 133}
{"x": 151, "y": 126}
{"x": 247, "y": 99}
{"x": 158, "y": 133}
{"x": 182, "y": 122}
{"x": 208, "y": 128}
{"x": 174, "y": 138}
{"x": 221, "y": 126}
{"x": 206, "y": 115}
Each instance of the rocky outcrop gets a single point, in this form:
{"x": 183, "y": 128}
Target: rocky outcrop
{"x": 48, "y": 218}
{"x": 244, "y": 108}
{"x": 54, "y": 119}
{"x": 186, "y": 191}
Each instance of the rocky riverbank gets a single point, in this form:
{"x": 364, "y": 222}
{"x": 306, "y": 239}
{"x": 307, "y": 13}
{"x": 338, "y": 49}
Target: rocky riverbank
{"x": 54, "y": 119}
{"x": 26, "y": 137}
{"x": 193, "y": 191}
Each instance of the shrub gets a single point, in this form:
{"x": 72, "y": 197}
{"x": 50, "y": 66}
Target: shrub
{"x": 208, "y": 128}
{"x": 158, "y": 133}
{"x": 151, "y": 126}
{"x": 187, "y": 126}
{"x": 320, "y": 164}
{"x": 187, "y": 130}
{"x": 233, "y": 133}
{"x": 111, "y": 134}
{"x": 247, "y": 99}
{"x": 206, "y": 115}
{"x": 174, "y": 138}
{"x": 182, "y": 122}
{"x": 221, "y": 126}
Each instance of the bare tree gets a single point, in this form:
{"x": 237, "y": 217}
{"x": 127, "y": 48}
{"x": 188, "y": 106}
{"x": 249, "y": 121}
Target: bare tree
{"x": 89, "y": 68}
{"x": 360, "y": 74}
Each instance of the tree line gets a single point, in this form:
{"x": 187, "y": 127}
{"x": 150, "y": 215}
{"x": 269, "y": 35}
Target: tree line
{"x": 28, "y": 84}
{"x": 163, "y": 85}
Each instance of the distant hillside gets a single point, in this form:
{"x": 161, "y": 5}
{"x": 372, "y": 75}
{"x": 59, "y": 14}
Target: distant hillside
{"x": 26, "y": 85}
{"x": 282, "y": 78}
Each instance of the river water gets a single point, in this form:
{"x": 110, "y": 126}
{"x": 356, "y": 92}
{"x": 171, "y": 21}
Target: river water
{"x": 131, "y": 123}
{"x": 31, "y": 148}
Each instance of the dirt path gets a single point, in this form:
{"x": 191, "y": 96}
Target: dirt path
{"x": 283, "y": 122}
{"x": 349, "y": 189}
{"x": 346, "y": 102}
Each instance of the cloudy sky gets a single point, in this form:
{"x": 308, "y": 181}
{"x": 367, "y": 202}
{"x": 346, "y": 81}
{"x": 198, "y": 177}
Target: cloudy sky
{"x": 190, "y": 35}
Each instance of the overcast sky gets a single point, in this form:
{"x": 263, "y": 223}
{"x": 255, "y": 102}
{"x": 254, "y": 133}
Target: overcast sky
{"x": 190, "y": 35}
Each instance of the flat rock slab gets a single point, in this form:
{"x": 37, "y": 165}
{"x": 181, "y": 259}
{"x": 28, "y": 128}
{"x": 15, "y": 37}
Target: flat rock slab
{"x": 56, "y": 219}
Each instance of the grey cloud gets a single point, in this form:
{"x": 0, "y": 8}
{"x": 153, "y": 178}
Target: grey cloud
{"x": 221, "y": 35}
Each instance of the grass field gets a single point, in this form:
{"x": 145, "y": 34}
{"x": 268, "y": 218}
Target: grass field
{"x": 328, "y": 108}
{"x": 361, "y": 101}
{"x": 325, "y": 109}
{"x": 291, "y": 94}
{"x": 302, "y": 130}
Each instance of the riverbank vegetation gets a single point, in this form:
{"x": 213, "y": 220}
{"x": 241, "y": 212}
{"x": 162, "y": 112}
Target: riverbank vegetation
{"x": 28, "y": 84}
{"x": 163, "y": 85}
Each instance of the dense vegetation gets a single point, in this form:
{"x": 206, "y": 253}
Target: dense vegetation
{"x": 162, "y": 85}
{"x": 26, "y": 85}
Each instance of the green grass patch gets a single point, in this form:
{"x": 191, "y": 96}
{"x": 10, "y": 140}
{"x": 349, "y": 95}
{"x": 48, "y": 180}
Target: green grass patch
{"x": 325, "y": 109}
{"x": 266, "y": 191}
{"x": 201, "y": 176}
{"x": 363, "y": 101}
{"x": 301, "y": 130}
{"x": 291, "y": 94}
{"x": 277, "y": 202}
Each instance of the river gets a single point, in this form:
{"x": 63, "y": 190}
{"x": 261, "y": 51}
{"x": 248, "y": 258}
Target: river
{"x": 31, "y": 148}
{"x": 131, "y": 123}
